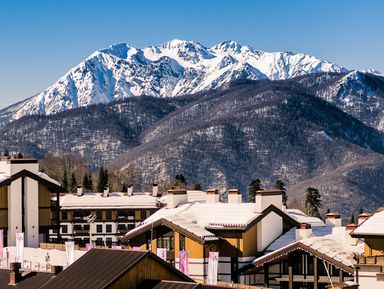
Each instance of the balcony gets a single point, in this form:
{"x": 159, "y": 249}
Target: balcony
{"x": 371, "y": 263}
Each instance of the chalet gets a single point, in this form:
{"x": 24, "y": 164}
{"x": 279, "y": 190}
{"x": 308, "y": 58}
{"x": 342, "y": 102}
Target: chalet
{"x": 307, "y": 257}
{"x": 238, "y": 231}
{"x": 370, "y": 265}
{"x": 25, "y": 201}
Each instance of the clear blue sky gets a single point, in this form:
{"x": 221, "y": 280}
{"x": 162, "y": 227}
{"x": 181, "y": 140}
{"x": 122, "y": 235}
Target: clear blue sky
{"x": 41, "y": 40}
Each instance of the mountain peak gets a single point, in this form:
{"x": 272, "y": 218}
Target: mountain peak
{"x": 227, "y": 46}
{"x": 119, "y": 49}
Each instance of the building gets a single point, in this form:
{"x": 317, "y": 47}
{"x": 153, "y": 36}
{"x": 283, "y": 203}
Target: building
{"x": 18, "y": 279}
{"x": 370, "y": 265}
{"x": 240, "y": 232}
{"x": 307, "y": 257}
{"x": 105, "y": 268}
{"x": 25, "y": 201}
{"x": 104, "y": 217}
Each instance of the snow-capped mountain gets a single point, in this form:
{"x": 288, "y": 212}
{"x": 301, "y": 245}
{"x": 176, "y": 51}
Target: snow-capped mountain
{"x": 173, "y": 68}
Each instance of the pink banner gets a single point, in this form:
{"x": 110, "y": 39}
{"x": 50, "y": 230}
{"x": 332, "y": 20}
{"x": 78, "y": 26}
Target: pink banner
{"x": 20, "y": 248}
{"x": 1, "y": 243}
{"x": 184, "y": 262}
{"x": 213, "y": 264}
{"x": 89, "y": 246}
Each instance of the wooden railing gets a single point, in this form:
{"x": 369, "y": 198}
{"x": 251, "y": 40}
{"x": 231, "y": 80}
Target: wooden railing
{"x": 371, "y": 260}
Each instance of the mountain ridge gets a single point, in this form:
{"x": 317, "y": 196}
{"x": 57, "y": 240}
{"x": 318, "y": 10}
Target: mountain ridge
{"x": 174, "y": 68}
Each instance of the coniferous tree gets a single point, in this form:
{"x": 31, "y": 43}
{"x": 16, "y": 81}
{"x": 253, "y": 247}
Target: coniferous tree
{"x": 280, "y": 185}
{"x": 85, "y": 181}
{"x": 352, "y": 218}
{"x": 64, "y": 181}
{"x": 180, "y": 181}
{"x": 196, "y": 187}
{"x": 124, "y": 188}
{"x": 253, "y": 187}
{"x": 19, "y": 155}
{"x": 313, "y": 202}
{"x": 6, "y": 152}
{"x": 361, "y": 210}
{"x": 73, "y": 183}
{"x": 101, "y": 180}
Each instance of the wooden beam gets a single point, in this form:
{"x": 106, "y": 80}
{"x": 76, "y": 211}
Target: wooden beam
{"x": 315, "y": 274}
{"x": 341, "y": 276}
{"x": 290, "y": 274}
{"x": 266, "y": 275}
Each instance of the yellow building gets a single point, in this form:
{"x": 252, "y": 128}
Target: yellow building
{"x": 238, "y": 231}
{"x": 370, "y": 267}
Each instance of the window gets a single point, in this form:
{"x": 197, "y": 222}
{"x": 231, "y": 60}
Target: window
{"x": 131, "y": 226}
{"x": 99, "y": 241}
{"x": 64, "y": 229}
{"x": 108, "y": 242}
{"x": 99, "y": 215}
{"x": 143, "y": 215}
{"x": 54, "y": 231}
{"x": 108, "y": 215}
{"x": 64, "y": 215}
{"x": 77, "y": 228}
{"x": 182, "y": 243}
{"x": 108, "y": 228}
{"x": 131, "y": 215}
{"x": 99, "y": 228}
{"x": 86, "y": 227}
{"x": 77, "y": 215}
{"x": 121, "y": 227}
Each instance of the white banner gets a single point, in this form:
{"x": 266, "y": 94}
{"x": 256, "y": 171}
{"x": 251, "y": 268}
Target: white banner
{"x": 162, "y": 253}
{"x": 213, "y": 263}
{"x": 70, "y": 251}
{"x": 20, "y": 248}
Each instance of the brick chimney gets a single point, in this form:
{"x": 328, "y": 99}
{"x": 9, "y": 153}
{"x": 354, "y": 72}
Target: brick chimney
{"x": 303, "y": 231}
{"x": 79, "y": 191}
{"x": 333, "y": 219}
{"x": 130, "y": 190}
{"x": 362, "y": 217}
{"x": 176, "y": 197}
{"x": 234, "y": 196}
{"x": 265, "y": 198}
{"x": 15, "y": 275}
{"x": 155, "y": 190}
{"x": 212, "y": 196}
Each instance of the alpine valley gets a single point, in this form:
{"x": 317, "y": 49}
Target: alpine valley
{"x": 221, "y": 116}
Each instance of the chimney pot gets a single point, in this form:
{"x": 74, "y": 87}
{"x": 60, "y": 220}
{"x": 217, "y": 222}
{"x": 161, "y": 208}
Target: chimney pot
{"x": 265, "y": 198}
{"x": 303, "y": 231}
{"x": 234, "y": 196}
{"x": 176, "y": 197}
{"x": 155, "y": 190}
{"x": 79, "y": 191}
{"x": 212, "y": 196}
{"x": 106, "y": 192}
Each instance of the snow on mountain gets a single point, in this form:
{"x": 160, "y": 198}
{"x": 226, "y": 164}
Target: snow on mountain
{"x": 173, "y": 68}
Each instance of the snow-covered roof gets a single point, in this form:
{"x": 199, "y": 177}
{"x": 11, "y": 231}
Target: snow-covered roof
{"x": 300, "y": 217}
{"x": 114, "y": 200}
{"x": 290, "y": 237}
{"x": 3, "y": 177}
{"x": 47, "y": 178}
{"x": 373, "y": 226}
{"x": 198, "y": 217}
{"x": 337, "y": 245}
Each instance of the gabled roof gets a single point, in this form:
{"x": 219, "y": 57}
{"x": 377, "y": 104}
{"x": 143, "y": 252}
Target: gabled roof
{"x": 165, "y": 284}
{"x": 190, "y": 223}
{"x": 325, "y": 248}
{"x": 40, "y": 177}
{"x": 373, "y": 226}
{"x": 100, "y": 267}
{"x": 34, "y": 280}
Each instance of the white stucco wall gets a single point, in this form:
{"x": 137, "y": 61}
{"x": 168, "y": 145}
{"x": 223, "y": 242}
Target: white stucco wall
{"x": 31, "y": 203}
{"x": 14, "y": 211}
{"x": 268, "y": 230}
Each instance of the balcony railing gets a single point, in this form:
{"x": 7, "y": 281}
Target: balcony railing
{"x": 371, "y": 260}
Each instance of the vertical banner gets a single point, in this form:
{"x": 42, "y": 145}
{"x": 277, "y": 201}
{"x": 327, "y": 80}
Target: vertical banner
{"x": 162, "y": 253}
{"x": 213, "y": 263}
{"x": 20, "y": 248}
{"x": 184, "y": 262}
{"x": 1, "y": 243}
{"x": 70, "y": 252}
